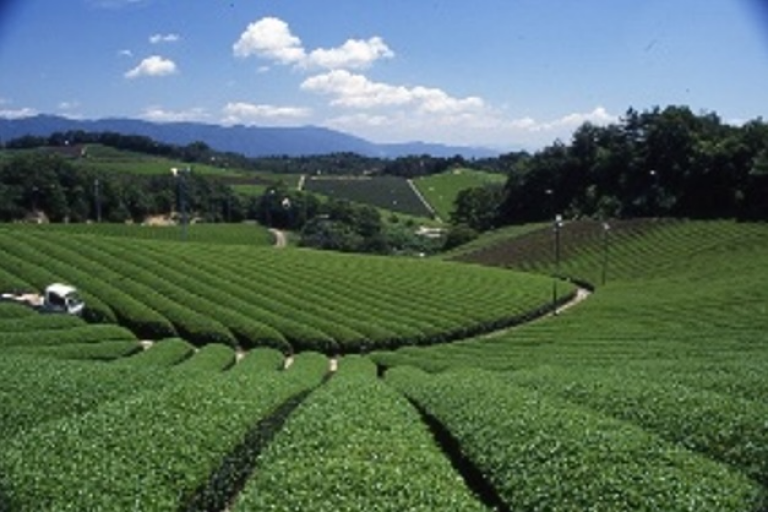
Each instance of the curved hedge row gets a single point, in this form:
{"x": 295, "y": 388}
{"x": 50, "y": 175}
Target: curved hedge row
{"x": 541, "y": 453}
{"x": 355, "y": 444}
{"x": 164, "y": 354}
{"x": 150, "y": 451}
{"x": 77, "y": 334}
{"x": 100, "y": 351}
{"x": 210, "y": 358}
{"x": 37, "y": 390}
{"x": 35, "y": 268}
{"x": 108, "y": 285}
{"x": 292, "y": 300}
{"x": 724, "y": 428}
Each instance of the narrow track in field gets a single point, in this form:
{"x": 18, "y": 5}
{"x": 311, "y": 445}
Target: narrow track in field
{"x": 580, "y": 296}
{"x": 281, "y": 240}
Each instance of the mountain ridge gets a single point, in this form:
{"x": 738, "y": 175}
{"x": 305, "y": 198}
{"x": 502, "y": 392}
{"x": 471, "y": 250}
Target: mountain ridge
{"x": 251, "y": 141}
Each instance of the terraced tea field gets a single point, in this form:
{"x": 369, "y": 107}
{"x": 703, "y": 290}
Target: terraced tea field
{"x": 650, "y": 395}
{"x": 386, "y": 192}
{"x": 246, "y": 297}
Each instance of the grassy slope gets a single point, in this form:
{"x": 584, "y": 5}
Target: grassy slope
{"x": 675, "y": 291}
{"x": 672, "y": 351}
{"x": 674, "y": 343}
{"x": 347, "y": 302}
{"x": 441, "y": 190}
{"x": 227, "y": 234}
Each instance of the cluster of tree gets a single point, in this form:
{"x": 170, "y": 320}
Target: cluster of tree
{"x": 338, "y": 225}
{"x": 41, "y": 182}
{"x": 194, "y": 152}
{"x": 347, "y": 227}
{"x": 344, "y": 163}
{"x": 669, "y": 162}
{"x": 357, "y": 165}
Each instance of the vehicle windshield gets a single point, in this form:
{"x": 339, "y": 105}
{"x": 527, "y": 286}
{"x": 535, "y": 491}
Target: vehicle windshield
{"x": 73, "y": 299}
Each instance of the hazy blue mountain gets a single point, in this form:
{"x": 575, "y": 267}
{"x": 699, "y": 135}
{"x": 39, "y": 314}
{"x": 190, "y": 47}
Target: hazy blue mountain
{"x": 251, "y": 141}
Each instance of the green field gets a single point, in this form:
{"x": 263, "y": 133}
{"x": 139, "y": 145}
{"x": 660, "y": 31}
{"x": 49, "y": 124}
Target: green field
{"x": 244, "y": 296}
{"x": 390, "y": 193}
{"x": 227, "y": 234}
{"x": 649, "y": 395}
{"x": 441, "y": 190}
{"x": 111, "y": 160}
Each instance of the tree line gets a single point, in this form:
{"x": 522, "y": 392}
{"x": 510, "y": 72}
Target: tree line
{"x": 339, "y": 163}
{"x": 45, "y": 183}
{"x": 667, "y": 162}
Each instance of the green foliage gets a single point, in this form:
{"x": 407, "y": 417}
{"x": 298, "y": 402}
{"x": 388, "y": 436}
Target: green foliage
{"x": 99, "y": 351}
{"x": 164, "y": 353}
{"x": 210, "y": 358}
{"x": 725, "y": 428}
{"x": 151, "y": 450}
{"x": 458, "y": 235}
{"x": 77, "y": 334}
{"x": 544, "y": 454}
{"x": 37, "y": 389}
{"x": 374, "y": 452}
{"x": 241, "y": 296}
{"x": 661, "y": 162}
{"x": 387, "y": 192}
{"x": 442, "y": 190}
{"x": 234, "y": 234}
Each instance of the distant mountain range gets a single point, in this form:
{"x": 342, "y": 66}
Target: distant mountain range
{"x": 252, "y": 141}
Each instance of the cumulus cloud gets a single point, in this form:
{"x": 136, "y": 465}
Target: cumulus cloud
{"x": 271, "y": 38}
{"x": 357, "y": 91}
{"x": 164, "y": 38}
{"x": 599, "y": 116}
{"x": 18, "y": 113}
{"x": 353, "y": 54}
{"x": 161, "y": 115}
{"x": 153, "y": 66}
{"x": 248, "y": 113}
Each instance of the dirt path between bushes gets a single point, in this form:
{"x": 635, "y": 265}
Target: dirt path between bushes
{"x": 281, "y": 240}
{"x": 581, "y": 295}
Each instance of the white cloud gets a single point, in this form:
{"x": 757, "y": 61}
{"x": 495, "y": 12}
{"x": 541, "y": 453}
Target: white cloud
{"x": 160, "y": 115}
{"x": 599, "y": 116}
{"x": 153, "y": 66}
{"x": 357, "y": 91}
{"x": 353, "y": 54}
{"x": 271, "y": 38}
{"x": 125, "y": 53}
{"x": 248, "y": 113}
{"x": 164, "y": 38}
{"x": 485, "y": 127}
{"x": 18, "y": 113}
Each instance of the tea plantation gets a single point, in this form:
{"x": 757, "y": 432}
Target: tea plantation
{"x": 212, "y": 375}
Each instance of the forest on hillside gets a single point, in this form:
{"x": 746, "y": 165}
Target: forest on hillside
{"x": 667, "y": 162}
{"x": 659, "y": 163}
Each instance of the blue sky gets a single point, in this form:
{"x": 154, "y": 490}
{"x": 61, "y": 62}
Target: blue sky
{"x": 496, "y": 73}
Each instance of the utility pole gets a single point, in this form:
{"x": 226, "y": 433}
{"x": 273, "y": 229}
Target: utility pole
{"x": 181, "y": 190}
{"x": 97, "y": 199}
{"x": 558, "y": 222}
{"x": 606, "y": 232}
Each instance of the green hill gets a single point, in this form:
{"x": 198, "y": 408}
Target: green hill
{"x": 649, "y": 395}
